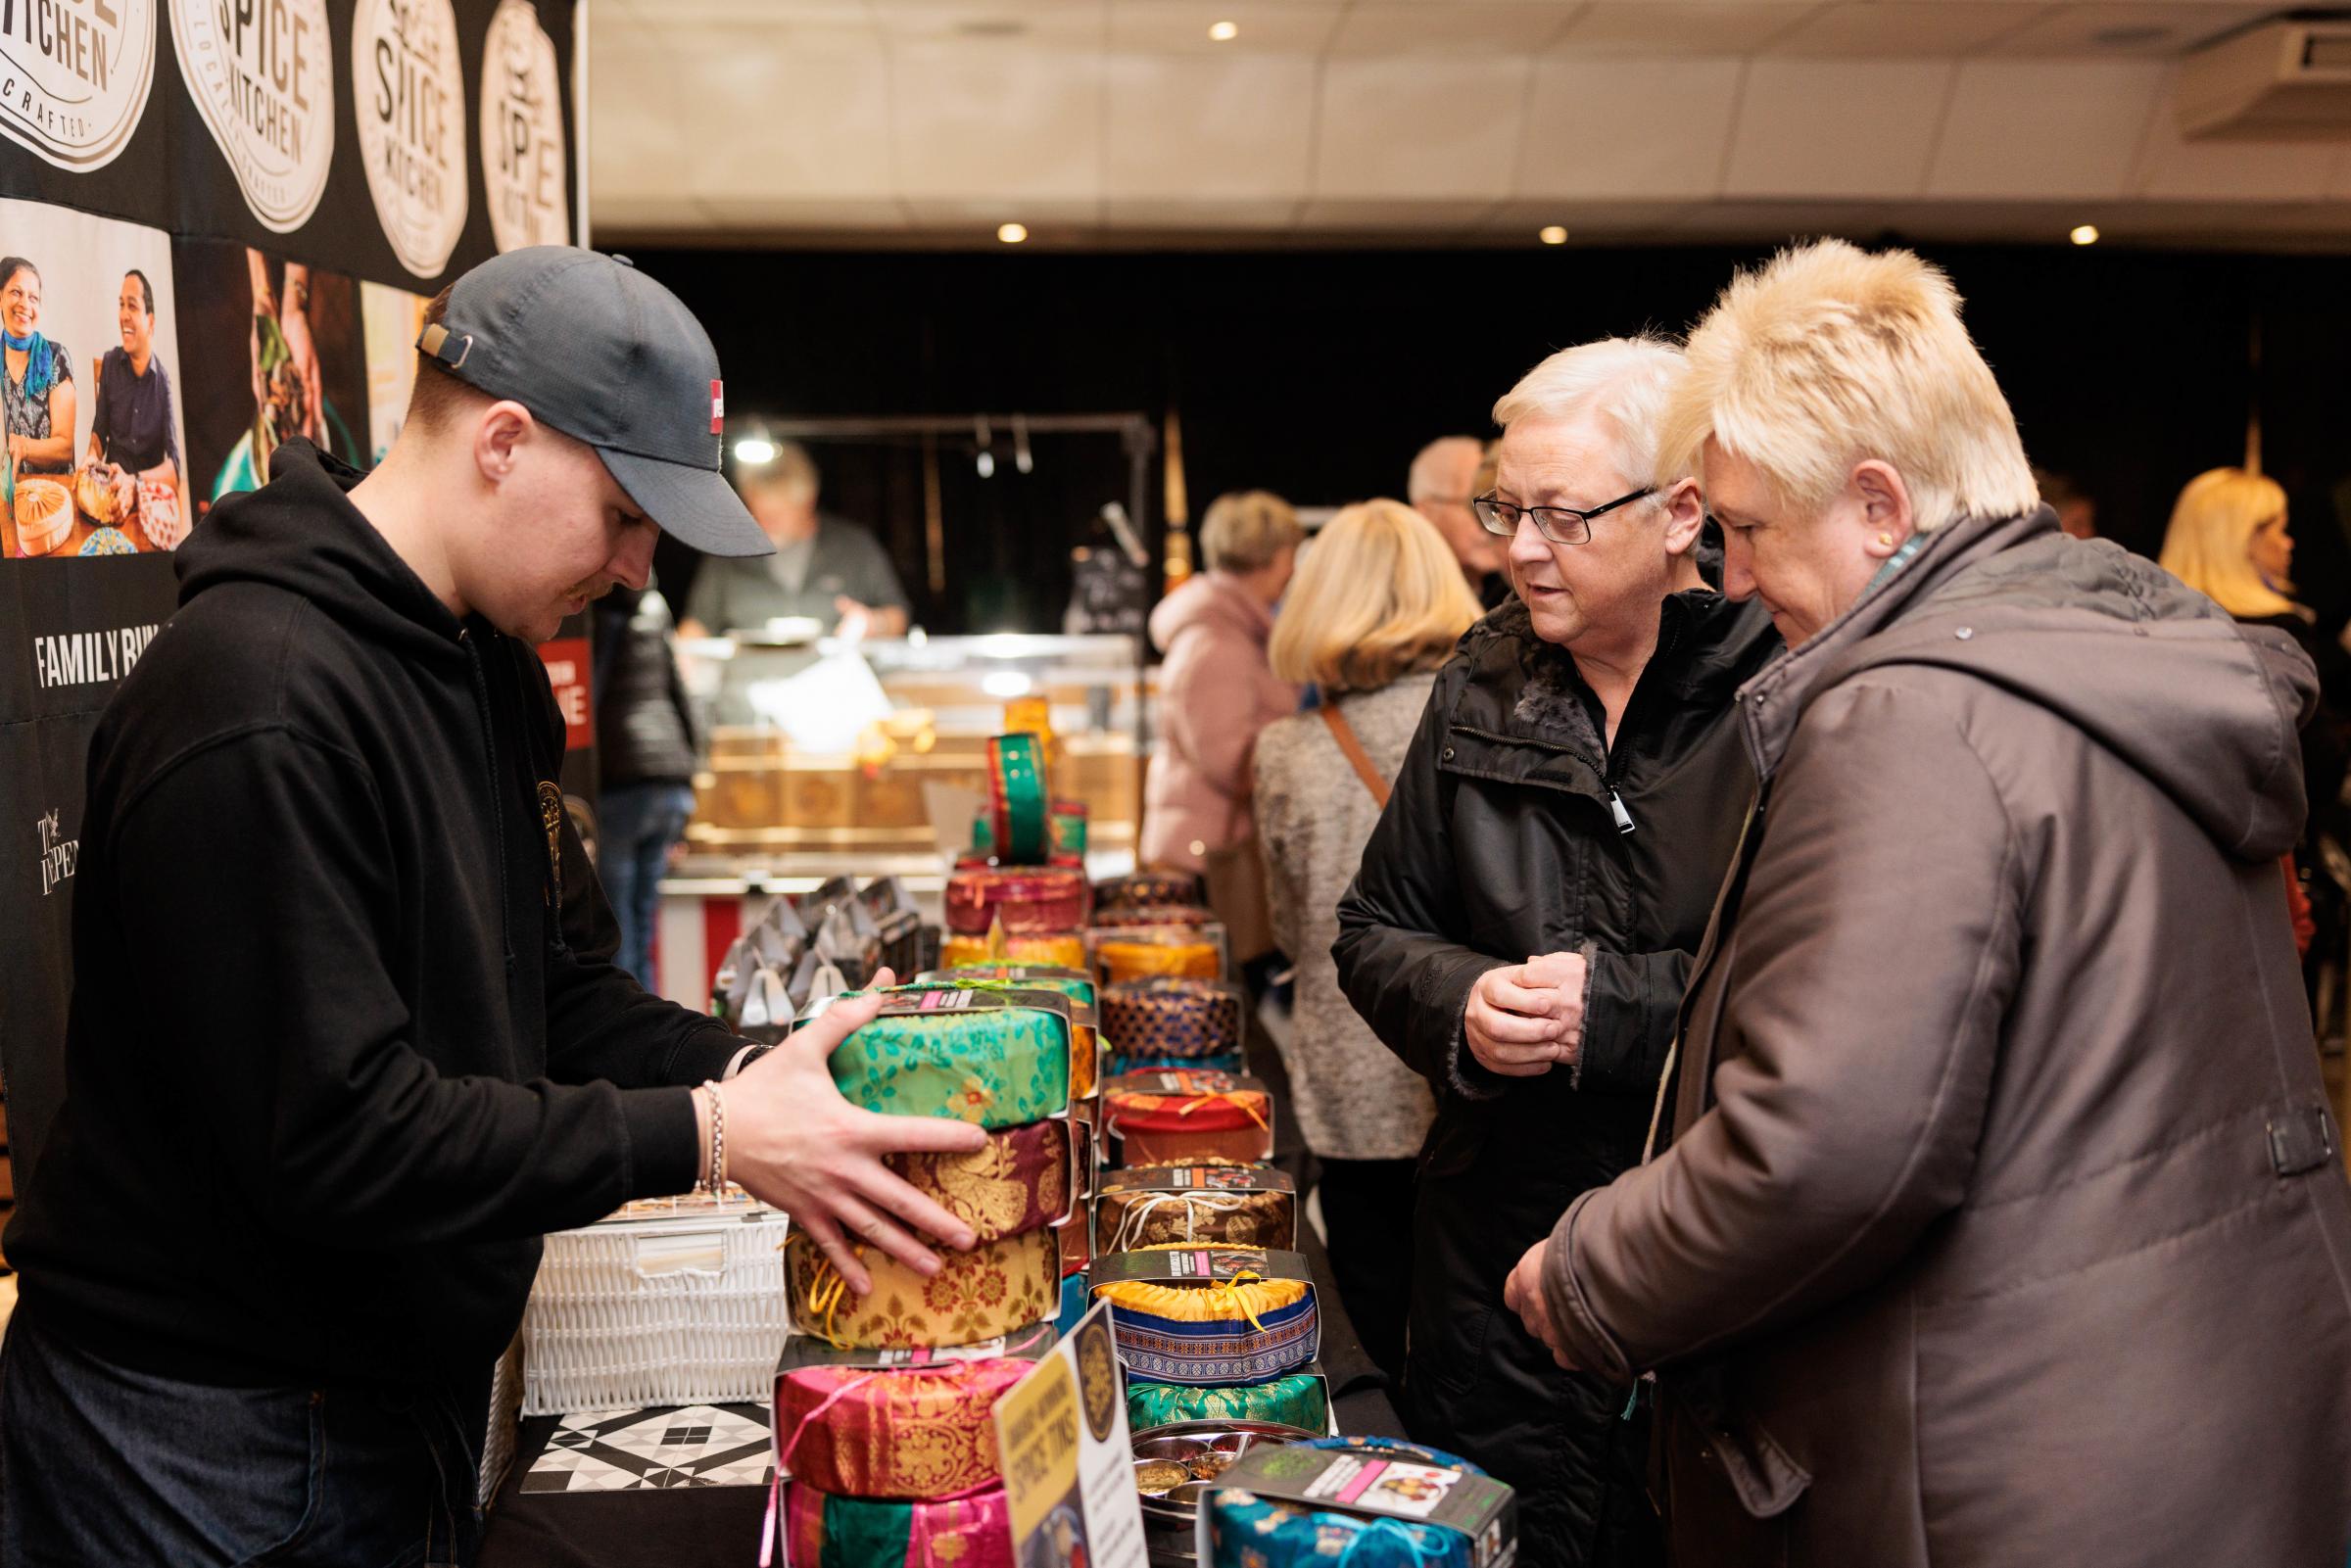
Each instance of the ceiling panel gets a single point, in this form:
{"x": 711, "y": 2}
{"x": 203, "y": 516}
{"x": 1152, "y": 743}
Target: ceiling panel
{"x": 1680, "y": 26}
{"x": 1877, "y": 28}
{"x": 2174, "y": 169}
{"x": 639, "y": 136}
{"x": 1179, "y": 212}
{"x": 2149, "y": 29}
{"x": 1377, "y": 27}
{"x": 1030, "y": 23}
{"x": 971, "y": 119}
{"x": 1846, "y": 129}
{"x": 1432, "y": 219}
{"x": 822, "y": 103}
{"x": 1402, "y": 129}
{"x": 1181, "y": 26}
{"x": 2044, "y": 129}
{"x": 776, "y": 214}
{"x": 1627, "y": 128}
{"x": 1214, "y": 128}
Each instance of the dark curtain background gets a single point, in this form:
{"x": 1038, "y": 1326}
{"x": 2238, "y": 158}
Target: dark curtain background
{"x": 1318, "y": 374}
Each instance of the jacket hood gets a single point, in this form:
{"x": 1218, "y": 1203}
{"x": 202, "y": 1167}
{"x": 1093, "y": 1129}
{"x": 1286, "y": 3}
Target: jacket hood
{"x": 302, "y": 534}
{"x": 2107, "y": 641}
{"x": 1210, "y": 598}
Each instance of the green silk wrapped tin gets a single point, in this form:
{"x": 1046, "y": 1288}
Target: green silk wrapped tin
{"x": 1299, "y": 1399}
{"x": 995, "y": 1066}
{"x": 1021, "y": 818}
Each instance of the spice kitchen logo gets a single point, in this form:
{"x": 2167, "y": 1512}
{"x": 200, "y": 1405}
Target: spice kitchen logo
{"x": 57, "y": 852}
{"x": 411, "y": 113}
{"x": 262, "y": 74}
{"x": 75, "y": 75}
{"x": 523, "y": 165}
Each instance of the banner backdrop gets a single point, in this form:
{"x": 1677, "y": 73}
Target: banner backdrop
{"x": 219, "y": 222}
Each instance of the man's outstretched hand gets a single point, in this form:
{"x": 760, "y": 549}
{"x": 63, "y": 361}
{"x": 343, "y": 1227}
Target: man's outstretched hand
{"x": 792, "y": 1141}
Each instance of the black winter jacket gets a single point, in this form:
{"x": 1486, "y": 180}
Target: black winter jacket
{"x": 644, "y": 722}
{"x": 1514, "y": 831}
{"x": 343, "y": 1043}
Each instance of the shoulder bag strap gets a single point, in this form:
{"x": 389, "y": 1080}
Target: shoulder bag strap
{"x": 1344, "y": 734}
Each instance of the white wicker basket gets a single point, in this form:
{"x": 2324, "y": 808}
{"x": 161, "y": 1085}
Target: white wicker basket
{"x": 677, "y": 1303}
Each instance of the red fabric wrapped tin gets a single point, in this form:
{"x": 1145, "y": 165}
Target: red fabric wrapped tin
{"x": 825, "y": 1530}
{"x": 905, "y": 1431}
{"x": 1165, "y": 1117}
{"x": 1027, "y": 899}
{"x": 1018, "y": 1181}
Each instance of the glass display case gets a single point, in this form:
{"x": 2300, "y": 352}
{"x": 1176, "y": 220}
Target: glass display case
{"x": 869, "y": 758}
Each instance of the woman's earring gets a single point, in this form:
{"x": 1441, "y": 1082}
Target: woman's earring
{"x": 1884, "y": 539}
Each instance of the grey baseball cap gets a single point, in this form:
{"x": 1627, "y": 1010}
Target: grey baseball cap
{"x": 608, "y": 357}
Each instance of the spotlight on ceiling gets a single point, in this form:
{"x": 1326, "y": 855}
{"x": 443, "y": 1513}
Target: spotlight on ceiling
{"x": 1012, "y": 233}
{"x": 1552, "y": 234}
{"x": 2085, "y": 234}
{"x": 1223, "y": 31}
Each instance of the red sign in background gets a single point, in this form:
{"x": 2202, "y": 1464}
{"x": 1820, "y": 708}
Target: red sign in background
{"x": 567, "y": 667}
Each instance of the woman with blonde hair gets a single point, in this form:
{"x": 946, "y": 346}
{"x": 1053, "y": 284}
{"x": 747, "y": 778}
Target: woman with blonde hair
{"x": 2227, "y": 541}
{"x": 1375, "y": 608}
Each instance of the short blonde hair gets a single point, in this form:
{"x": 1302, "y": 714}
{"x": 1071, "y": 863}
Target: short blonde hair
{"x": 1245, "y": 529}
{"x": 1434, "y": 464}
{"x": 1828, "y": 355}
{"x": 1378, "y": 597}
{"x": 1625, "y": 381}
{"x": 2209, "y": 544}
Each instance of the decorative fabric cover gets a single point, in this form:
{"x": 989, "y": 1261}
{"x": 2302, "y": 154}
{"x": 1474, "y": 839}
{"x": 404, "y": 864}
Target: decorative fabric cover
{"x": 1207, "y": 1114}
{"x": 1241, "y": 1330}
{"x": 1024, "y": 899}
{"x": 993, "y": 1289}
{"x": 905, "y": 1431}
{"x": 1057, "y": 952}
{"x": 1126, "y": 915}
{"x": 824, "y": 1530}
{"x": 1246, "y": 1531}
{"x": 1000, "y": 1069}
{"x": 1133, "y": 959}
{"x": 1018, "y": 1181}
{"x": 1299, "y": 1399}
{"x": 1151, "y": 887}
{"x": 1171, "y": 1017}
{"x": 1129, "y": 1221}
{"x": 1018, "y": 816}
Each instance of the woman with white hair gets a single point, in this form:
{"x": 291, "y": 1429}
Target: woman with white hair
{"x": 1522, "y": 924}
{"x": 2002, "y": 1219}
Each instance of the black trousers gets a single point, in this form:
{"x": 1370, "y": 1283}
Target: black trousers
{"x": 1367, "y": 1219}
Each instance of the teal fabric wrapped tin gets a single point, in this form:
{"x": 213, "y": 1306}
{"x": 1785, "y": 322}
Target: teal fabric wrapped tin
{"x": 1246, "y": 1531}
{"x": 1300, "y": 1399}
{"x": 959, "y": 1054}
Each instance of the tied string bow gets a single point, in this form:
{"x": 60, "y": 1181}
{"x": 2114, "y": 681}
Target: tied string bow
{"x": 1246, "y": 1102}
{"x": 1226, "y": 1293}
{"x": 1133, "y": 1223}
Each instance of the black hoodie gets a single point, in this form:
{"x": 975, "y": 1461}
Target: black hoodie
{"x": 336, "y": 1061}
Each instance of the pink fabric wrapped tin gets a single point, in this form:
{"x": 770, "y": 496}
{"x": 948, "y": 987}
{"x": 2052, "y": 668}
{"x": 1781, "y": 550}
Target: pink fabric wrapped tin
{"x": 826, "y": 1531}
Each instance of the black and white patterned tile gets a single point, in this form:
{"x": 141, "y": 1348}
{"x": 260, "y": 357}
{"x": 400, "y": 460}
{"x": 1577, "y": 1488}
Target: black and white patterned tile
{"x": 654, "y": 1450}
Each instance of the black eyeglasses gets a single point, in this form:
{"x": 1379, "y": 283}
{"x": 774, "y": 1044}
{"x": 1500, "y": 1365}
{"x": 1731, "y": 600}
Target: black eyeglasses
{"x": 1561, "y": 525}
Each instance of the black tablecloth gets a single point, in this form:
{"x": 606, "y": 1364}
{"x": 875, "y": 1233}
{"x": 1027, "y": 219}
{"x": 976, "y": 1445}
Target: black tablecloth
{"x": 720, "y": 1524}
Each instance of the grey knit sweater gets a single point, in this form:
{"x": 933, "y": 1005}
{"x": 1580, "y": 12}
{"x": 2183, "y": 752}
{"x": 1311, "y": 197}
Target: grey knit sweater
{"x": 1354, "y": 1098}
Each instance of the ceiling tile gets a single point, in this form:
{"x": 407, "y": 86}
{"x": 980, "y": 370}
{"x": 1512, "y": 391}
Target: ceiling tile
{"x": 783, "y": 213}
{"x": 1380, "y": 27}
{"x": 820, "y": 97}
{"x": 996, "y": 119}
{"x": 1435, "y": 129}
{"x": 1422, "y": 220}
{"x": 2174, "y": 169}
{"x": 2149, "y": 29}
{"x": 1680, "y": 26}
{"x": 1209, "y": 128}
{"x": 1026, "y": 22}
{"x": 1522, "y": 221}
{"x": 1888, "y": 27}
{"x": 2044, "y": 129}
{"x": 1842, "y": 129}
{"x": 1182, "y": 26}
{"x": 633, "y": 107}
{"x": 1176, "y": 212}
{"x": 1593, "y": 128}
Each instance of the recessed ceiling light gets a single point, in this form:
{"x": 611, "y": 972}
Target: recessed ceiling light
{"x": 1223, "y": 31}
{"x": 2085, "y": 234}
{"x": 1552, "y": 234}
{"x": 1012, "y": 233}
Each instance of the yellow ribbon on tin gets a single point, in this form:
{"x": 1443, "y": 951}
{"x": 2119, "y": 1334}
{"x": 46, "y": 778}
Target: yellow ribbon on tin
{"x": 828, "y": 1287}
{"x": 1244, "y": 1296}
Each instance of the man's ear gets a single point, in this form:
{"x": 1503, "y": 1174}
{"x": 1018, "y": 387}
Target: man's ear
{"x": 499, "y": 437}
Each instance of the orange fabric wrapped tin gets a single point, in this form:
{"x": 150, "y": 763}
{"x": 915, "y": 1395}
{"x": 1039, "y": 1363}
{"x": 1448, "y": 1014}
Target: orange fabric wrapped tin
{"x": 997, "y": 1288}
{"x": 1060, "y": 952}
{"x": 1165, "y": 1117}
{"x": 1125, "y": 958}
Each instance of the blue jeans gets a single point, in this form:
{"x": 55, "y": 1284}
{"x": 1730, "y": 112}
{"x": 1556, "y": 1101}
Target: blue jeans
{"x": 638, "y": 823}
{"x": 103, "y": 1464}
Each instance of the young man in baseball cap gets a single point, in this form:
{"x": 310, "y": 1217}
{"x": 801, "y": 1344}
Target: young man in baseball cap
{"x": 346, "y": 1036}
